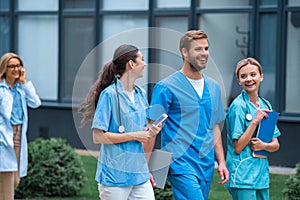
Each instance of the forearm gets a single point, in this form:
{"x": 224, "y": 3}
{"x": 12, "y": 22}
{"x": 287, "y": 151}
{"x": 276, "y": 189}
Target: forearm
{"x": 272, "y": 146}
{"x": 148, "y": 147}
{"x": 218, "y": 145}
{"x": 243, "y": 141}
{"x": 101, "y": 137}
{"x": 32, "y": 98}
{"x": 219, "y": 154}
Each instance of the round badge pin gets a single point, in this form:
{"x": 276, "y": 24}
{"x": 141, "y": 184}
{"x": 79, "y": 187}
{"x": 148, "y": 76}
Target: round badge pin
{"x": 121, "y": 129}
{"x": 248, "y": 117}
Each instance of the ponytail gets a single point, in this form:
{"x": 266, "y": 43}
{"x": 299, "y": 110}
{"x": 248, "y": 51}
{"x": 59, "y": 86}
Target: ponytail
{"x": 88, "y": 106}
{"x": 108, "y": 75}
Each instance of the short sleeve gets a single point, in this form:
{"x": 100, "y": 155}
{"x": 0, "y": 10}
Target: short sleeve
{"x": 103, "y": 112}
{"x": 160, "y": 102}
{"x": 220, "y": 108}
{"x": 235, "y": 121}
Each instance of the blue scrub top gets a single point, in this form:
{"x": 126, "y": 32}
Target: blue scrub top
{"x": 17, "y": 110}
{"x": 122, "y": 164}
{"x": 188, "y": 131}
{"x": 245, "y": 170}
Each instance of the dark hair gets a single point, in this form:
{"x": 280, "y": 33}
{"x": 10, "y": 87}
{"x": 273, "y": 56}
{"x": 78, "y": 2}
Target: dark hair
{"x": 189, "y": 37}
{"x": 122, "y": 55}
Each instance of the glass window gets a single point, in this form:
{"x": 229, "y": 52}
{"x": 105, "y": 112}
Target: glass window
{"x": 267, "y": 55}
{"x": 74, "y": 50}
{"x": 167, "y": 56}
{"x": 268, "y": 2}
{"x": 125, "y": 5}
{"x": 293, "y": 2}
{"x": 293, "y": 63}
{"x": 40, "y": 5}
{"x": 229, "y": 41}
{"x": 4, "y": 4}
{"x": 4, "y": 35}
{"x": 222, "y": 3}
{"x": 79, "y": 4}
{"x": 114, "y": 24}
{"x": 38, "y": 47}
{"x": 130, "y": 29}
{"x": 173, "y": 3}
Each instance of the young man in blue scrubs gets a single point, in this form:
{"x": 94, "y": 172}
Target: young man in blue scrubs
{"x": 193, "y": 103}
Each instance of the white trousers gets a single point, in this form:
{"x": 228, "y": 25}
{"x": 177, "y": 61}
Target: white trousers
{"x": 144, "y": 192}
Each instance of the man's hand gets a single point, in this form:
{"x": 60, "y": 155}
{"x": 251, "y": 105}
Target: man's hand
{"x": 152, "y": 180}
{"x": 224, "y": 174}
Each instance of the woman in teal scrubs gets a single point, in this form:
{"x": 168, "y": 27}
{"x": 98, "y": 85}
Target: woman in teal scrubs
{"x": 249, "y": 176}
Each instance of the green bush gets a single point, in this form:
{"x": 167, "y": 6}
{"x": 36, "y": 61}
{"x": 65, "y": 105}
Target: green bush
{"x": 54, "y": 169}
{"x": 293, "y": 185}
{"x": 164, "y": 194}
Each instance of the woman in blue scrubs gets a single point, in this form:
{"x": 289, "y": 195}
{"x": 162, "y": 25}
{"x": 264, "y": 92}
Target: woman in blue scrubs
{"x": 249, "y": 176}
{"x": 120, "y": 125}
{"x": 16, "y": 93}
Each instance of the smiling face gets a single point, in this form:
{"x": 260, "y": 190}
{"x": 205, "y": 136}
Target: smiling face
{"x": 139, "y": 65}
{"x": 197, "y": 54}
{"x": 249, "y": 77}
{"x": 13, "y": 69}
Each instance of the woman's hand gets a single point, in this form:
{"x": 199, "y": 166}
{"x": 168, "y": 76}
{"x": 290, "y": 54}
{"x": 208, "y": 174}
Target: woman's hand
{"x": 154, "y": 130}
{"x": 256, "y": 144}
{"x": 22, "y": 77}
{"x": 141, "y": 136}
{"x": 260, "y": 114}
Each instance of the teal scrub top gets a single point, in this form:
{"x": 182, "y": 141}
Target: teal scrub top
{"x": 245, "y": 171}
{"x": 188, "y": 131}
{"x": 122, "y": 164}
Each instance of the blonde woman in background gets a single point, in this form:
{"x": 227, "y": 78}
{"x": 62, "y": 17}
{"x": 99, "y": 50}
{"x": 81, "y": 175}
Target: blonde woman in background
{"x": 16, "y": 93}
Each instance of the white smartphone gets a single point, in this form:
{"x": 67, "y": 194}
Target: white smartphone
{"x": 161, "y": 119}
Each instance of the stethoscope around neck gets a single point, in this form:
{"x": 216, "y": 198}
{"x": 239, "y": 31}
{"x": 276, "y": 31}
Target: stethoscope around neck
{"x": 248, "y": 113}
{"x": 121, "y": 127}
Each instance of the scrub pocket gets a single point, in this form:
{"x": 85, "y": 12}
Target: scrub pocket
{"x": 114, "y": 169}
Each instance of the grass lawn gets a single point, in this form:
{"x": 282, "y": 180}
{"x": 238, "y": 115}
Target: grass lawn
{"x": 277, "y": 184}
{"x": 217, "y": 192}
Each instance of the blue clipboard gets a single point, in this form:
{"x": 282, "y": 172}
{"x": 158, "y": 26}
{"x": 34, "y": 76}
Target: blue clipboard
{"x": 265, "y": 132}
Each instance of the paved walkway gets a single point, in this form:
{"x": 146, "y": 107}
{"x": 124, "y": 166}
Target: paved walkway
{"x": 282, "y": 170}
{"x": 273, "y": 169}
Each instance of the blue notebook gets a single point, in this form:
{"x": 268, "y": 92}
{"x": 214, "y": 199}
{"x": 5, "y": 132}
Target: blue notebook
{"x": 265, "y": 132}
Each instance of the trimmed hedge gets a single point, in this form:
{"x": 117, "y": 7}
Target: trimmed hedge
{"x": 54, "y": 169}
{"x": 293, "y": 185}
{"x": 164, "y": 194}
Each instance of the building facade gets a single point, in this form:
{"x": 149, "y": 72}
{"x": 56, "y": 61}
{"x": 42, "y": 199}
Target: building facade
{"x": 64, "y": 43}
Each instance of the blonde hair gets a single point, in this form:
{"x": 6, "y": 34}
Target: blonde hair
{"x": 4, "y": 62}
{"x": 246, "y": 61}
